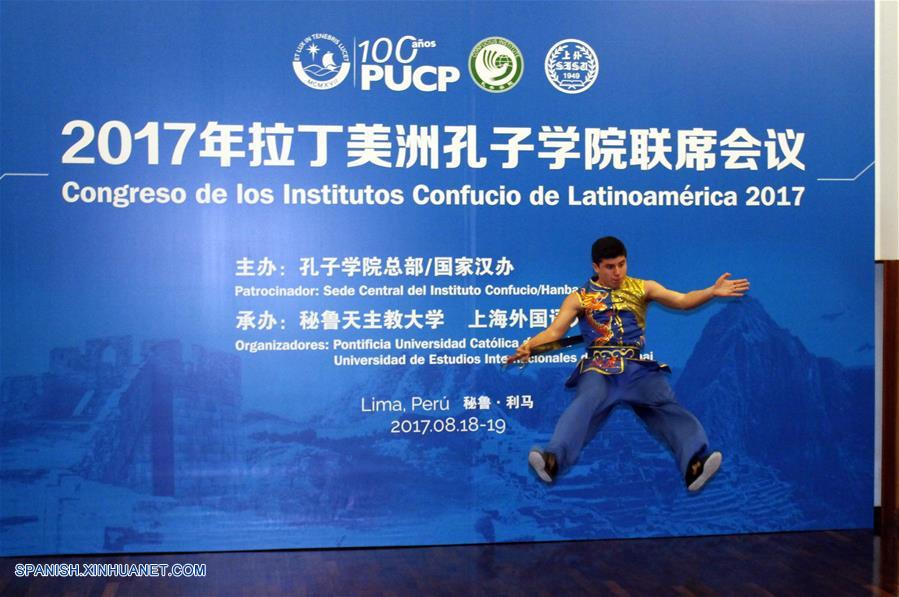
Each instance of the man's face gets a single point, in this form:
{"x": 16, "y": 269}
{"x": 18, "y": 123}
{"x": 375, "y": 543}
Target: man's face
{"x": 611, "y": 272}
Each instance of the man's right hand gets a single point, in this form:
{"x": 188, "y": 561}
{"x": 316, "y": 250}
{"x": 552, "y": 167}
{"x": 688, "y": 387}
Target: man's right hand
{"x": 522, "y": 353}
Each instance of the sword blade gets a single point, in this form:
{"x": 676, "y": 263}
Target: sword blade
{"x": 556, "y": 345}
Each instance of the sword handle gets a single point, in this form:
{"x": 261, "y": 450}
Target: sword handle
{"x": 550, "y": 346}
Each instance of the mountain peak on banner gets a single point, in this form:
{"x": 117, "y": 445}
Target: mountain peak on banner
{"x": 759, "y": 391}
{"x": 741, "y": 333}
{"x": 743, "y": 365}
{"x": 747, "y": 316}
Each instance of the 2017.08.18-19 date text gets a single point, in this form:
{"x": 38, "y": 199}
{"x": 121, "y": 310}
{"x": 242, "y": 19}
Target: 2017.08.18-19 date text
{"x": 425, "y": 426}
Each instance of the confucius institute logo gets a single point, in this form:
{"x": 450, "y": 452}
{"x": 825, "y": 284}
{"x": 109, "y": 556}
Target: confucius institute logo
{"x": 321, "y": 61}
{"x": 571, "y": 66}
{"x": 495, "y": 64}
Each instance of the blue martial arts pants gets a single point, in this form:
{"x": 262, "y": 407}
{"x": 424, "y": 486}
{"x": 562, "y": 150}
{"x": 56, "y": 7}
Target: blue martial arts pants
{"x": 646, "y": 390}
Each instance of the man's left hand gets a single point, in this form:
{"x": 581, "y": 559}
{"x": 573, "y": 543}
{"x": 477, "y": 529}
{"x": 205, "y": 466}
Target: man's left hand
{"x": 724, "y": 286}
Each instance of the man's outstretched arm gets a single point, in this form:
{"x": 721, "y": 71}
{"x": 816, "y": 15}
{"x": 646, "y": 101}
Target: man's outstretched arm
{"x": 724, "y": 286}
{"x": 558, "y": 328}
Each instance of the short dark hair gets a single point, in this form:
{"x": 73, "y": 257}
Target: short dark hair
{"x": 607, "y": 247}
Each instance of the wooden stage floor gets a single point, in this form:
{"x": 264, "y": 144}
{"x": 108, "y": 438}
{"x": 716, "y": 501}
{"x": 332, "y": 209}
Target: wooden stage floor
{"x": 853, "y": 562}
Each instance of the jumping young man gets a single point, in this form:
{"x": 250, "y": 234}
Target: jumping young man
{"x": 611, "y": 309}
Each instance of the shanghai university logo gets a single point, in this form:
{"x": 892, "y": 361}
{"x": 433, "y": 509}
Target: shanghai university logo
{"x": 571, "y": 66}
{"x": 321, "y": 61}
{"x": 495, "y": 64}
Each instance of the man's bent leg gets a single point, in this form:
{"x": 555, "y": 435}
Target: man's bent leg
{"x": 653, "y": 400}
{"x": 590, "y": 407}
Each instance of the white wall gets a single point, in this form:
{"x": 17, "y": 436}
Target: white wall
{"x": 886, "y": 152}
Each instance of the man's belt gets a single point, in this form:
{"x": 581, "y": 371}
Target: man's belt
{"x": 613, "y": 352}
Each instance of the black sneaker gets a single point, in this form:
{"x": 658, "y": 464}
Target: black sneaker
{"x": 700, "y": 470}
{"x": 544, "y": 464}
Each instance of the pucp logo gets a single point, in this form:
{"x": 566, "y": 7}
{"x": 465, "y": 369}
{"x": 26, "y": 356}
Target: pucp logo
{"x": 571, "y": 66}
{"x": 321, "y": 61}
{"x": 495, "y": 64}
{"x": 395, "y": 65}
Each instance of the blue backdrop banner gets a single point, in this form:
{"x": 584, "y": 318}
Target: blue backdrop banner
{"x": 262, "y": 262}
